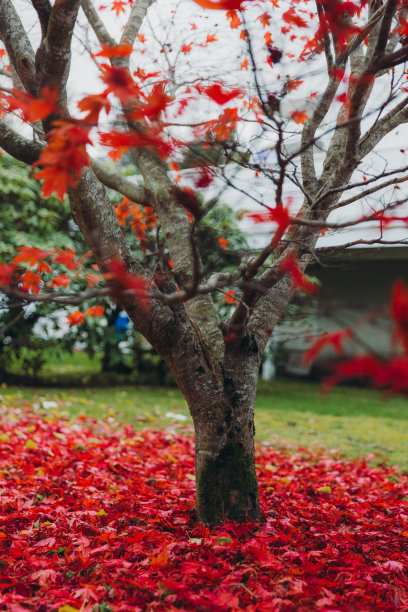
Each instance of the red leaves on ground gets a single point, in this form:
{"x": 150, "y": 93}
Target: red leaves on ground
{"x": 95, "y": 512}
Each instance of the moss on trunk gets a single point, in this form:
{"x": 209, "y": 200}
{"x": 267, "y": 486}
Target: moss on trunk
{"x": 227, "y": 487}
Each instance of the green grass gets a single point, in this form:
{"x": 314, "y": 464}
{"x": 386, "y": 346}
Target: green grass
{"x": 76, "y": 363}
{"x": 353, "y": 421}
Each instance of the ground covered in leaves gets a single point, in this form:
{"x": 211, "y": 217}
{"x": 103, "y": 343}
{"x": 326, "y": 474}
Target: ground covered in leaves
{"x": 96, "y": 516}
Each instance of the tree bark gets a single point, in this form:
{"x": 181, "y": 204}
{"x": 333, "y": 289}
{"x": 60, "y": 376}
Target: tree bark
{"x": 226, "y": 481}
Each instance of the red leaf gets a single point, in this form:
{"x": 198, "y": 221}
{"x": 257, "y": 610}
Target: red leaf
{"x": 7, "y": 273}
{"x": 279, "y": 215}
{"x": 292, "y": 18}
{"x": 75, "y": 318}
{"x": 399, "y": 311}
{"x": 221, "y": 5}
{"x": 120, "y": 280}
{"x": 218, "y": 94}
{"x": 334, "y": 339}
{"x": 117, "y": 51}
{"x": 30, "y": 255}
{"x": 289, "y": 264}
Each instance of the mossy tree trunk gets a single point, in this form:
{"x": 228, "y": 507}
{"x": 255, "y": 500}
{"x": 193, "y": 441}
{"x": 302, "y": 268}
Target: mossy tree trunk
{"x": 227, "y": 486}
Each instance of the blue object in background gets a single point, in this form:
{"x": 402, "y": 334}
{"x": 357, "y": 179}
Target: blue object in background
{"x": 121, "y": 325}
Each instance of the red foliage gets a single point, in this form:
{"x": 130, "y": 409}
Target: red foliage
{"x": 334, "y": 339}
{"x": 95, "y": 512}
{"x": 299, "y": 279}
{"x": 121, "y": 280}
{"x": 279, "y": 215}
{"x": 392, "y": 374}
{"x": 399, "y": 311}
{"x": 7, "y": 272}
{"x": 64, "y": 158}
{"x": 225, "y": 5}
{"x": 32, "y": 109}
{"x": 123, "y": 141}
{"x": 218, "y": 94}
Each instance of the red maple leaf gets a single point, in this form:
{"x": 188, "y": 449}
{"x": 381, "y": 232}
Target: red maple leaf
{"x": 334, "y": 339}
{"x": 292, "y": 18}
{"x": 116, "y": 51}
{"x": 75, "y": 318}
{"x": 399, "y": 311}
{"x": 224, "y": 5}
{"x": 218, "y": 94}
{"x": 30, "y": 255}
{"x": 279, "y": 215}
{"x": 33, "y": 109}
{"x": 300, "y": 280}
{"x": 63, "y": 159}
{"x": 7, "y": 272}
{"x": 120, "y": 280}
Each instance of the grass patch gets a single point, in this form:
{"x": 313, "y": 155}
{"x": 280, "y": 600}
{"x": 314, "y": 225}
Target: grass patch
{"x": 354, "y": 421}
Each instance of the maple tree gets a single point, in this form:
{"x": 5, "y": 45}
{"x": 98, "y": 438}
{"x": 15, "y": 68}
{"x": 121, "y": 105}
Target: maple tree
{"x": 144, "y": 108}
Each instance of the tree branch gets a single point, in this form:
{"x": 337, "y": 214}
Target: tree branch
{"x": 97, "y": 24}
{"x": 138, "y": 13}
{"x": 54, "y": 68}
{"x": 396, "y": 116}
{"x": 17, "y": 146}
{"x": 18, "y": 46}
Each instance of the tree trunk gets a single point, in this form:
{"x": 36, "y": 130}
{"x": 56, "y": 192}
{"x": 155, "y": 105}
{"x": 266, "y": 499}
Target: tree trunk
{"x": 226, "y": 481}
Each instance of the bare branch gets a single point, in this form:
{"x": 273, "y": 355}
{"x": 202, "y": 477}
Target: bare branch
{"x": 54, "y": 68}
{"x": 17, "y": 146}
{"x": 18, "y": 46}
{"x": 97, "y": 24}
{"x": 396, "y": 116}
{"x": 43, "y": 9}
{"x": 138, "y": 13}
{"x": 135, "y": 193}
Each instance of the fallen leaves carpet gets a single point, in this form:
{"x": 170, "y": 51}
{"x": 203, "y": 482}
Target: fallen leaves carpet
{"x": 96, "y": 516}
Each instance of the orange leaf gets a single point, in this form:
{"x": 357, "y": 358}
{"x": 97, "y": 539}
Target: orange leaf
{"x": 299, "y": 116}
{"x": 116, "y": 51}
{"x": 75, "y": 318}
{"x": 30, "y": 255}
{"x": 264, "y": 19}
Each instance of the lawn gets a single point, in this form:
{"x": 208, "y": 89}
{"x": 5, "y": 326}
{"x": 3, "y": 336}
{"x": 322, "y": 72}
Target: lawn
{"x": 353, "y": 421}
